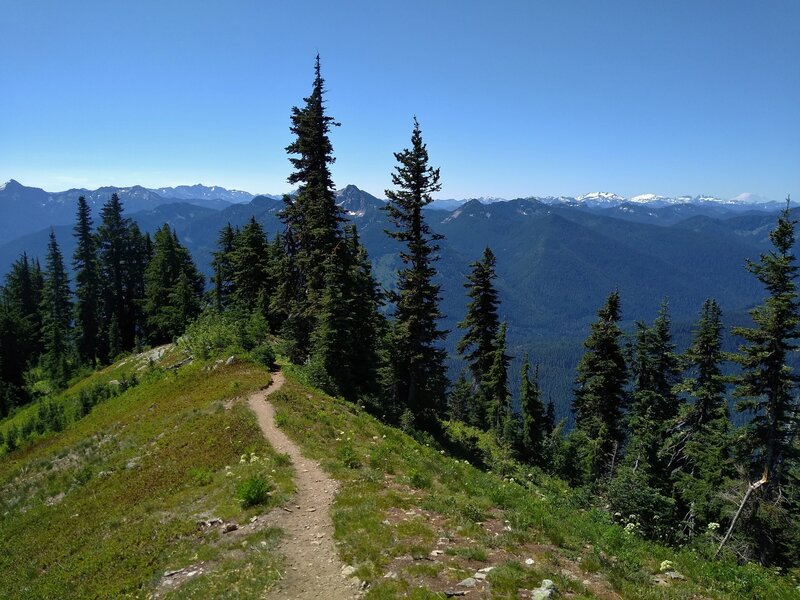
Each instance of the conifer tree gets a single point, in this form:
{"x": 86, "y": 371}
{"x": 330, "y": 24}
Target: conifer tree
{"x": 768, "y": 388}
{"x": 459, "y": 399}
{"x": 494, "y": 385}
{"x": 222, "y": 265}
{"x": 23, "y": 292}
{"x": 250, "y": 267}
{"x": 481, "y": 325}
{"x": 416, "y": 379}
{"x": 534, "y": 421}
{"x": 699, "y": 447}
{"x": 56, "y": 315}
{"x": 173, "y": 288}
{"x": 655, "y": 405}
{"x": 13, "y": 362}
{"x": 600, "y": 395}
{"x": 113, "y": 246}
{"x": 87, "y": 286}
{"x": 312, "y": 218}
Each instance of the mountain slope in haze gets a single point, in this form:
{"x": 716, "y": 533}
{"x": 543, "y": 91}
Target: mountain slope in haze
{"x": 556, "y": 263}
{"x": 25, "y": 210}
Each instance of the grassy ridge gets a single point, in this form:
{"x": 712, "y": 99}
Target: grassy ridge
{"x": 103, "y": 508}
{"x": 403, "y": 501}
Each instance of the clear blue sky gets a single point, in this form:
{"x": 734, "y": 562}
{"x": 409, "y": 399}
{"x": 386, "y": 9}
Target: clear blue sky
{"x": 515, "y": 98}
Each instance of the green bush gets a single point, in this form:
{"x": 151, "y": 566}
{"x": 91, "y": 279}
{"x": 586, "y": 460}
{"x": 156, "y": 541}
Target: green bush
{"x": 419, "y": 480}
{"x": 210, "y": 334}
{"x": 264, "y": 353}
{"x": 253, "y": 491}
{"x": 348, "y": 456}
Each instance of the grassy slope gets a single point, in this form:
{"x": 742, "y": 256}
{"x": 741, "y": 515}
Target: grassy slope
{"x": 116, "y": 529}
{"x": 104, "y": 508}
{"x": 402, "y": 500}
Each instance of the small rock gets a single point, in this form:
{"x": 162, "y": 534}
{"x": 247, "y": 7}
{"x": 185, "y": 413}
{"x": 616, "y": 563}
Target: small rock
{"x": 132, "y": 464}
{"x": 215, "y": 521}
{"x": 479, "y": 576}
{"x": 171, "y": 573}
{"x": 675, "y": 575}
{"x": 546, "y": 590}
{"x": 529, "y": 561}
{"x": 253, "y": 519}
{"x": 192, "y": 573}
{"x": 436, "y": 552}
{"x": 569, "y": 575}
{"x": 586, "y": 582}
{"x": 452, "y": 593}
{"x": 231, "y": 360}
{"x": 485, "y": 570}
{"x": 390, "y": 575}
{"x": 348, "y": 570}
{"x": 230, "y": 527}
{"x": 469, "y": 582}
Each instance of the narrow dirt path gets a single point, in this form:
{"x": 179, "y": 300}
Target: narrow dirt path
{"x": 313, "y": 569}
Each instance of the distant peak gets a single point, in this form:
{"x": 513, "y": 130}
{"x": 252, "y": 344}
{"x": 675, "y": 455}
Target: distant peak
{"x": 10, "y": 184}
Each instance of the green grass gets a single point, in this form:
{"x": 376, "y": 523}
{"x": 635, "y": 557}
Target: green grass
{"x": 403, "y": 497}
{"x": 105, "y": 507}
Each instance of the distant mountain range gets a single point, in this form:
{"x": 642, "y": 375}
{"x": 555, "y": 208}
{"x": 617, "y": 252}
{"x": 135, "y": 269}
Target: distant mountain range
{"x": 557, "y": 259}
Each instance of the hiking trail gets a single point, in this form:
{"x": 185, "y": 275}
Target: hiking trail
{"x": 312, "y": 565}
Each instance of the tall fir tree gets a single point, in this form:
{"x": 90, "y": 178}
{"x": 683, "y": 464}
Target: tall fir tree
{"x": 113, "y": 256}
{"x": 222, "y": 266}
{"x": 481, "y": 324}
{"x": 249, "y": 262}
{"x": 699, "y": 455}
{"x": 600, "y": 395}
{"x": 23, "y": 295}
{"x": 416, "y": 380}
{"x": 655, "y": 371}
{"x": 312, "y": 218}
{"x": 495, "y": 388}
{"x": 173, "y": 288}
{"x": 534, "y": 418}
{"x": 768, "y": 389}
{"x": 56, "y": 316}
{"x": 87, "y": 286}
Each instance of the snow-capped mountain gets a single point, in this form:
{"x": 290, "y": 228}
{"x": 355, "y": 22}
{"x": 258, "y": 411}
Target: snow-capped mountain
{"x": 203, "y": 192}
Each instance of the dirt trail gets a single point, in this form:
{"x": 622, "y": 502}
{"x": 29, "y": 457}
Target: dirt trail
{"x": 313, "y": 568}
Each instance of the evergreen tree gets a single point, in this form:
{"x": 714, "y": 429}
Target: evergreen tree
{"x": 368, "y": 325}
{"x": 23, "y": 293}
{"x": 534, "y": 421}
{"x": 768, "y": 388}
{"x": 494, "y": 385}
{"x": 56, "y": 315}
{"x": 600, "y": 395}
{"x": 459, "y": 399}
{"x": 139, "y": 253}
{"x": 222, "y": 264}
{"x": 87, "y": 286}
{"x": 698, "y": 451}
{"x": 481, "y": 325}
{"x": 13, "y": 363}
{"x": 312, "y": 218}
{"x": 113, "y": 256}
{"x": 416, "y": 379}
{"x": 655, "y": 405}
{"x": 173, "y": 288}
{"x": 250, "y": 267}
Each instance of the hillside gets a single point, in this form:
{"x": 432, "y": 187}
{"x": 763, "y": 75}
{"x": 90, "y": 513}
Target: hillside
{"x": 134, "y": 499}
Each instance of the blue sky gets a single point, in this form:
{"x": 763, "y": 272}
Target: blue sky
{"x": 514, "y": 98}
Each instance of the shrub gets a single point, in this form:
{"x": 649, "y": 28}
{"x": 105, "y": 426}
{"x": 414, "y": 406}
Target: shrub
{"x": 348, "y": 456}
{"x": 253, "y": 491}
{"x": 210, "y": 334}
{"x": 419, "y": 480}
{"x": 264, "y": 353}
